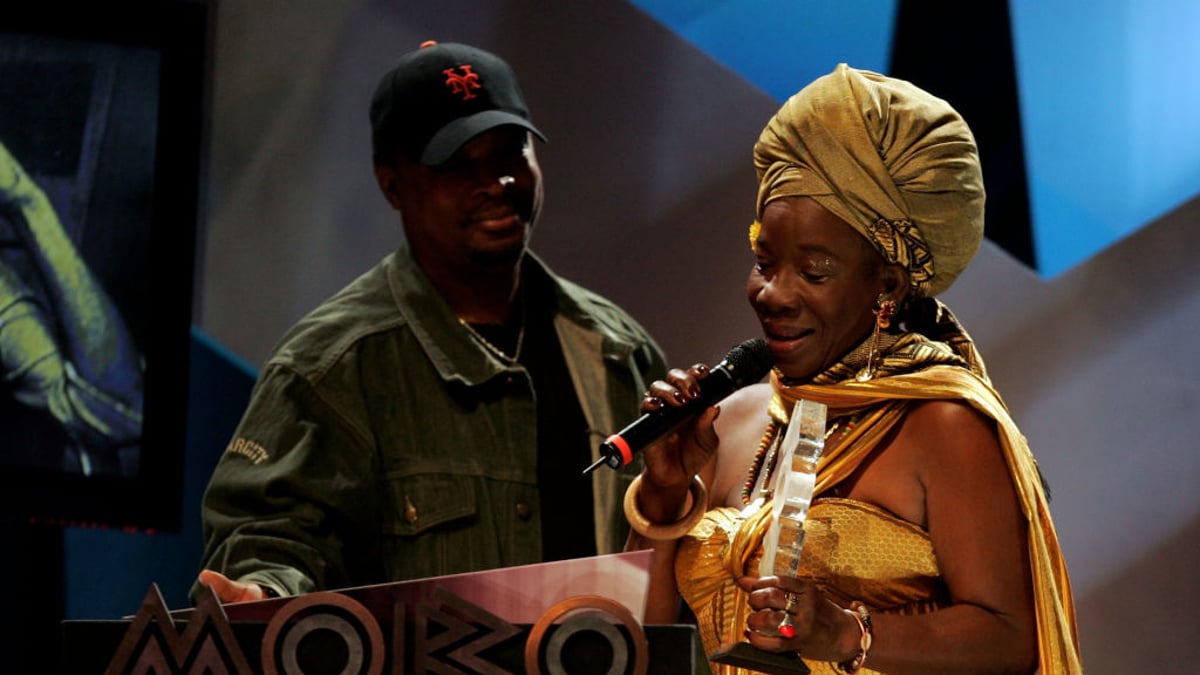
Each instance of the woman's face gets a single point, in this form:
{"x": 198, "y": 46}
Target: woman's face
{"x": 813, "y": 285}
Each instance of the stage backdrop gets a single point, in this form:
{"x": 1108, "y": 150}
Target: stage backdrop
{"x": 650, "y": 189}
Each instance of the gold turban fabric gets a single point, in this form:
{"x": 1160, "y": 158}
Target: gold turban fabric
{"x": 895, "y": 162}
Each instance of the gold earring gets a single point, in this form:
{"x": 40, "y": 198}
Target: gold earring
{"x": 884, "y": 310}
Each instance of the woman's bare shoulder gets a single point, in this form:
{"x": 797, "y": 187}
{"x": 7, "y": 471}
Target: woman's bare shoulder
{"x": 753, "y": 398}
{"x": 950, "y": 426}
{"x": 740, "y": 427}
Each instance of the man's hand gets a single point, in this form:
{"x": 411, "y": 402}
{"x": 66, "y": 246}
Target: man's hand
{"x": 228, "y": 590}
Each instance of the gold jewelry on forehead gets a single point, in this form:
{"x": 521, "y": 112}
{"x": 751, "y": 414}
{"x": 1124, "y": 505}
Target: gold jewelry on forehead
{"x": 823, "y": 265}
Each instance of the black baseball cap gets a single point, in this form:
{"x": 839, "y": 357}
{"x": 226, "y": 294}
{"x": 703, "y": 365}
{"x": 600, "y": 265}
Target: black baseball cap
{"x": 440, "y": 96}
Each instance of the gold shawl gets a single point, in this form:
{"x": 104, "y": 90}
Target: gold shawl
{"x": 917, "y": 368}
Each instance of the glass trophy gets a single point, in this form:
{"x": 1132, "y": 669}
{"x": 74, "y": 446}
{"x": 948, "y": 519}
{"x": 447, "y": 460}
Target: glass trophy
{"x": 795, "y": 478}
{"x": 794, "y": 481}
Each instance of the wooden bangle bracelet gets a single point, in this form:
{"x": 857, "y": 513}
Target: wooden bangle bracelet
{"x": 668, "y": 531}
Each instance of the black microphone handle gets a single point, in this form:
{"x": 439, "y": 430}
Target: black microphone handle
{"x": 620, "y": 448}
{"x": 746, "y": 363}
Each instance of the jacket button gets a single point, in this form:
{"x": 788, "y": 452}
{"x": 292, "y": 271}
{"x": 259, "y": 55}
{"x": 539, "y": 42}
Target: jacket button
{"x": 523, "y": 511}
{"x": 410, "y": 511}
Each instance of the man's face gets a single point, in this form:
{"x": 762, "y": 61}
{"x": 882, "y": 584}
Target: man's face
{"x": 476, "y": 209}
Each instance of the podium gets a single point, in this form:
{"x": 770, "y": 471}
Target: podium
{"x": 551, "y": 618}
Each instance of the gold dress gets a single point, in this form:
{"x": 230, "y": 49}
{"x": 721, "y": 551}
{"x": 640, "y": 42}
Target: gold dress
{"x": 856, "y": 551}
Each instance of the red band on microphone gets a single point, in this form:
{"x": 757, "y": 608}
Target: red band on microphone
{"x": 623, "y": 446}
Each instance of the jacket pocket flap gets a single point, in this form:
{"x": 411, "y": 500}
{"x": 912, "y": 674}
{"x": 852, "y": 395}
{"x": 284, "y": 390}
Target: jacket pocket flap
{"x": 424, "y": 501}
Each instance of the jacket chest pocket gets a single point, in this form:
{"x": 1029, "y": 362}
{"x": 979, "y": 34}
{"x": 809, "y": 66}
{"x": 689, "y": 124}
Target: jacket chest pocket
{"x": 436, "y": 525}
{"x": 424, "y": 502}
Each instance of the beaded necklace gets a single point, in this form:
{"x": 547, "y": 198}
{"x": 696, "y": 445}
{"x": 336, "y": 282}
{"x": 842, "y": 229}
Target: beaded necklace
{"x": 764, "y": 458}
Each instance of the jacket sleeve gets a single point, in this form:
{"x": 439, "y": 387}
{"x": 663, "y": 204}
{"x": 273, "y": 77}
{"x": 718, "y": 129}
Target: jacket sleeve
{"x": 293, "y": 503}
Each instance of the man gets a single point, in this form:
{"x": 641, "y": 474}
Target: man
{"x": 426, "y": 419}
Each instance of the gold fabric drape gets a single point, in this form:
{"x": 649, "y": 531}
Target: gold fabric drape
{"x": 888, "y": 398}
{"x": 916, "y": 368}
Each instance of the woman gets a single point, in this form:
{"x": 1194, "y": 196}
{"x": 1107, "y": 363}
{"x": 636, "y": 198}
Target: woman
{"x": 929, "y": 546}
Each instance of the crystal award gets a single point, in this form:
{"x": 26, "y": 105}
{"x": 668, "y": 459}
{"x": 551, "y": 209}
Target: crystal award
{"x": 794, "y": 481}
{"x": 795, "y": 478}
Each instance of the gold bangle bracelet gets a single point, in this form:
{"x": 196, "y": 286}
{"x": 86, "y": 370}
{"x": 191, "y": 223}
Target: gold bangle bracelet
{"x": 867, "y": 633}
{"x": 668, "y": 531}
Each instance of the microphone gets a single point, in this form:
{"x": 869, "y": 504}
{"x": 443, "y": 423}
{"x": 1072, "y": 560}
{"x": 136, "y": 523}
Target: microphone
{"x": 745, "y": 364}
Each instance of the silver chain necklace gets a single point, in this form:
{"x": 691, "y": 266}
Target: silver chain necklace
{"x": 496, "y": 351}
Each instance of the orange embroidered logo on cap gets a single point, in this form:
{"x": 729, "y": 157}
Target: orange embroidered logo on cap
{"x": 464, "y": 83}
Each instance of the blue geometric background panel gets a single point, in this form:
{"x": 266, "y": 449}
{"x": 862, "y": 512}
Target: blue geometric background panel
{"x": 782, "y": 45}
{"x": 1110, "y": 94}
{"x": 1105, "y": 102}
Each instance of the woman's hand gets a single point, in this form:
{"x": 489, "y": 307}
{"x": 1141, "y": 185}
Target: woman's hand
{"x": 673, "y": 460}
{"x": 822, "y": 630}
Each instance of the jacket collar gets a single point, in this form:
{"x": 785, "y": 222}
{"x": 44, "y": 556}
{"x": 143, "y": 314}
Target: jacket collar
{"x": 451, "y": 349}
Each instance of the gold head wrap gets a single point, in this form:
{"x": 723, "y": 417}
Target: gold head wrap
{"x": 893, "y": 161}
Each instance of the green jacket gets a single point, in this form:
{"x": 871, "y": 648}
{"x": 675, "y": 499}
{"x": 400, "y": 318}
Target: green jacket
{"x": 382, "y": 443}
